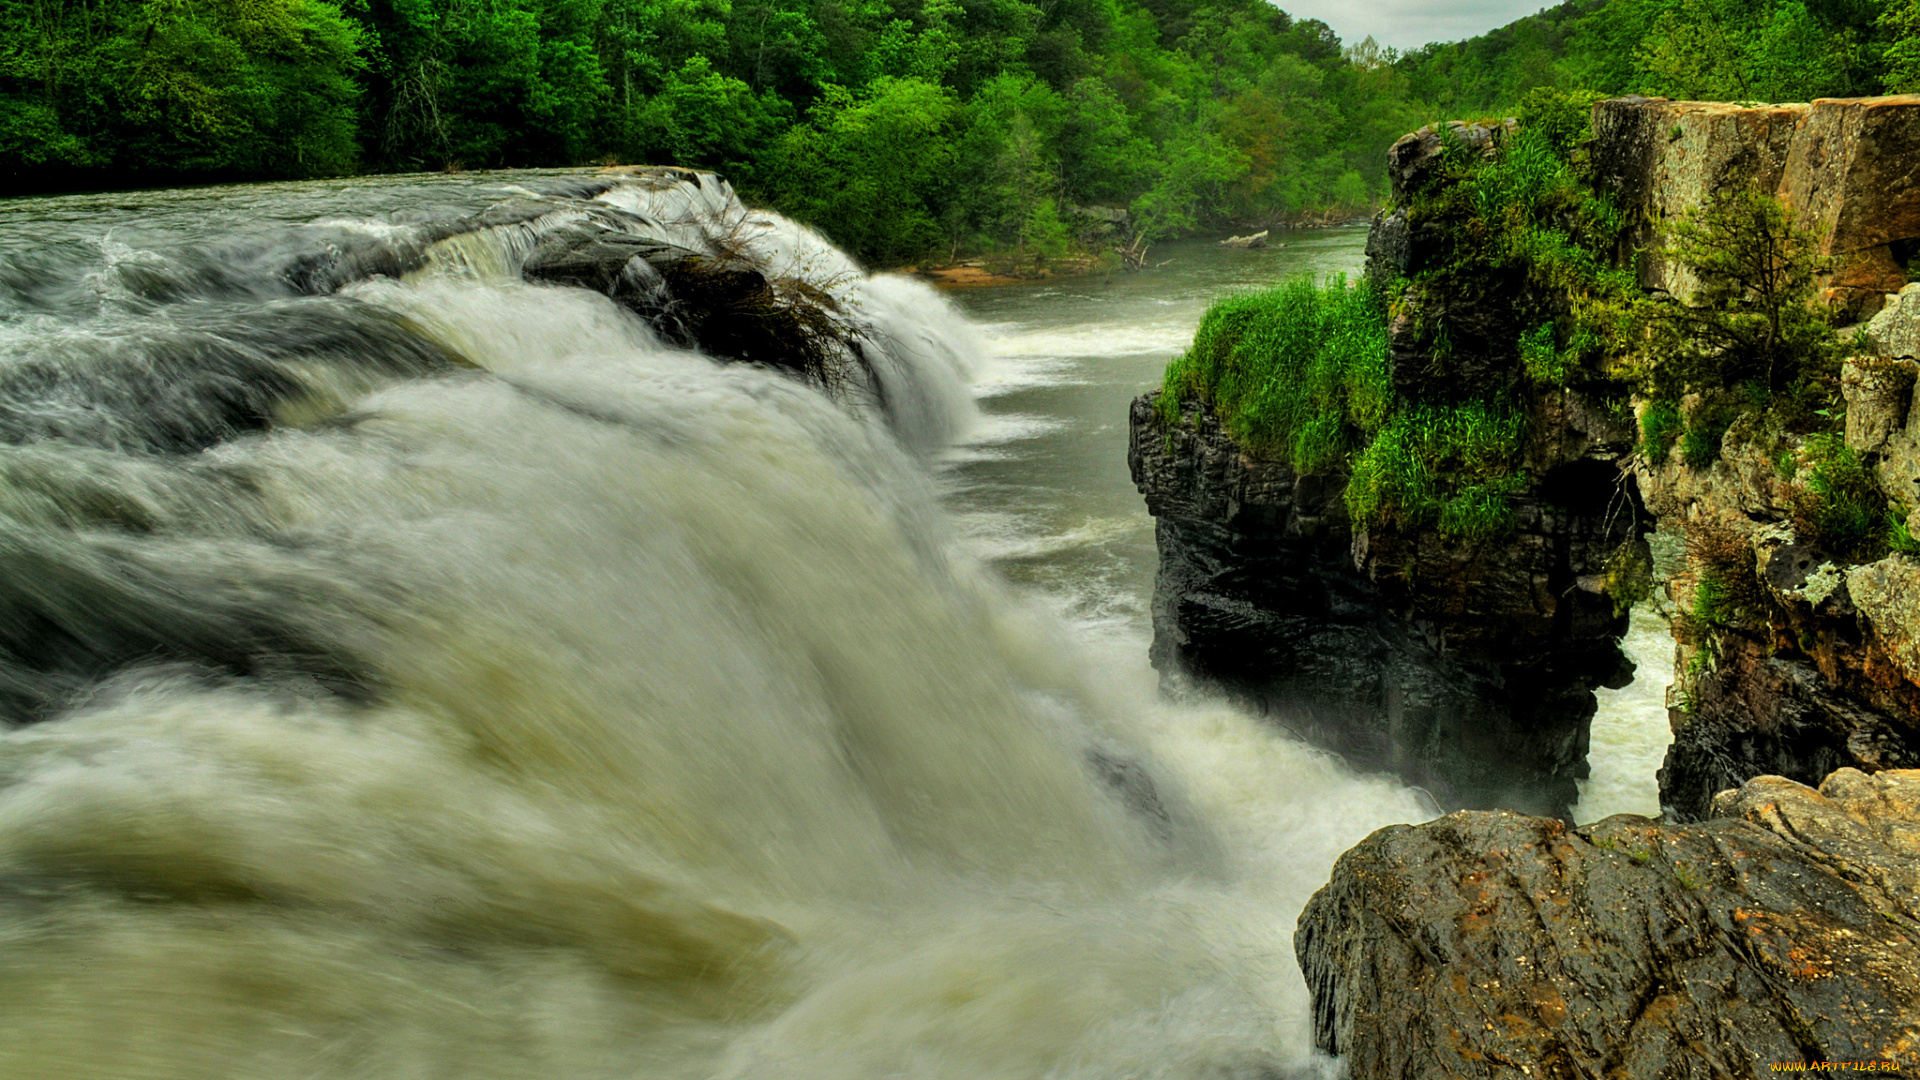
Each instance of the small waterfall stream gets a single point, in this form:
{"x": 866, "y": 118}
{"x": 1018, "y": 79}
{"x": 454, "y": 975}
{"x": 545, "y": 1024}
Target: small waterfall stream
{"x": 446, "y": 675}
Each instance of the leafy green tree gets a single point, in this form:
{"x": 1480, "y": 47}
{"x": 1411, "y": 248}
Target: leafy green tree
{"x": 876, "y": 168}
{"x": 1901, "y": 23}
{"x": 1750, "y": 318}
{"x": 259, "y": 87}
{"x": 704, "y": 117}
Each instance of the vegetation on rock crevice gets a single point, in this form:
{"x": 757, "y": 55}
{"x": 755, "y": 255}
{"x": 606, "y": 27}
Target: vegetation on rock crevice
{"x": 1439, "y": 447}
{"x": 1298, "y": 371}
{"x": 1517, "y": 294}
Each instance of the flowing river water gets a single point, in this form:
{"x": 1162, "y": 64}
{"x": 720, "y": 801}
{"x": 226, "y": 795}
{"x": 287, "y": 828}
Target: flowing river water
{"x": 443, "y": 677}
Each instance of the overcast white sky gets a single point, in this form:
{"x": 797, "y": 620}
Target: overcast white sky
{"x": 1409, "y": 24}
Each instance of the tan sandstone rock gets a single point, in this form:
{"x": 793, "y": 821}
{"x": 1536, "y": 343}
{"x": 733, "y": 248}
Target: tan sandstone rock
{"x": 1848, "y": 168}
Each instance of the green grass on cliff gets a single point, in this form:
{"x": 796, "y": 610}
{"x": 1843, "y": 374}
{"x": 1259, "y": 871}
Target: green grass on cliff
{"x": 1449, "y": 468}
{"x": 1298, "y": 371}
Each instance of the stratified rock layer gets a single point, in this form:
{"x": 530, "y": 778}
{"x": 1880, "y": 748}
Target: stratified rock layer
{"x": 1466, "y": 669}
{"x": 1489, "y": 944}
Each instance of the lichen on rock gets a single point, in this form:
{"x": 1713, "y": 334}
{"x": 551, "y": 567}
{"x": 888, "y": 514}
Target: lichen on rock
{"x": 1786, "y": 929}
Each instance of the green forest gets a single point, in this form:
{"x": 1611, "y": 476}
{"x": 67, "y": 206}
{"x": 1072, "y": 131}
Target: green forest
{"x": 905, "y": 129}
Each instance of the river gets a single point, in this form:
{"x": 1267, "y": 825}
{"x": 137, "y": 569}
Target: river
{"x": 442, "y": 677}
{"x": 1041, "y": 487}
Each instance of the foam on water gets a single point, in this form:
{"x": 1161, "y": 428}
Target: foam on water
{"x": 631, "y": 716}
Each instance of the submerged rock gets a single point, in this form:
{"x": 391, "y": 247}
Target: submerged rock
{"x": 1787, "y": 929}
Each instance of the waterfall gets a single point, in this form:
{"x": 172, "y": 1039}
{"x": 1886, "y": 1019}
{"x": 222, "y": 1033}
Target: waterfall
{"x": 412, "y": 670}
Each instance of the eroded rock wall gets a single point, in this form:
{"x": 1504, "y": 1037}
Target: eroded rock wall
{"x": 1787, "y": 929}
{"x": 1467, "y": 669}
{"x": 1848, "y": 168}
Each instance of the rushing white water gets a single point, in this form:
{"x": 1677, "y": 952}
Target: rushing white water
{"x": 1630, "y": 732}
{"x": 445, "y": 678}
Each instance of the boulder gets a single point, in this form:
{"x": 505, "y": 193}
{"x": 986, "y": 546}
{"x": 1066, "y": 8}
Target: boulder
{"x": 1895, "y": 331}
{"x": 1878, "y": 392}
{"x": 1415, "y": 160}
{"x": 1785, "y": 930}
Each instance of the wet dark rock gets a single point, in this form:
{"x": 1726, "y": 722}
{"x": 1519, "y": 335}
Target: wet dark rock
{"x": 1787, "y": 929}
{"x": 721, "y": 304}
{"x": 1465, "y": 669}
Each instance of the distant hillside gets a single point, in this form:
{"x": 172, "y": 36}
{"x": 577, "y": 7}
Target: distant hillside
{"x": 1736, "y": 50}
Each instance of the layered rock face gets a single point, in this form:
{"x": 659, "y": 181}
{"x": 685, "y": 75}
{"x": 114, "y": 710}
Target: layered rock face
{"x": 1816, "y": 671}
{"x": 1764, "y": 920}
{"x": 1848, "y": 168}
{"x": 1787, "y": 929}
{"x": 1469, "y": 671}
{"x": 1810, "y": 674}
{"x": 1465, "y": 669}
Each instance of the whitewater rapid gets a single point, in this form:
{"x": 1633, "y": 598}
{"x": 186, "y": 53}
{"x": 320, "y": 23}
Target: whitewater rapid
{"x": 443, "y": 677}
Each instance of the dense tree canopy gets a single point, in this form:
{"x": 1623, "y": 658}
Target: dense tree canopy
{"x": 1716, "y": 50}
{"x": 902, "y": 127}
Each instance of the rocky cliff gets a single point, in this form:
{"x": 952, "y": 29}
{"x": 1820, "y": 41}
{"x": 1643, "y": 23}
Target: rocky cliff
{"x": 1469, "y": 668}
{"x": 1812, "y": 669}
{"x": 1765, "y": 921}
{"x": 1846, "y": 167}
{"x": 1464, "y": 665}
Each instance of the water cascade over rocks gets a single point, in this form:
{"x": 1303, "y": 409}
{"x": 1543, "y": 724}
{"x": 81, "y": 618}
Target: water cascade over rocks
{"x": 480, "y": 628}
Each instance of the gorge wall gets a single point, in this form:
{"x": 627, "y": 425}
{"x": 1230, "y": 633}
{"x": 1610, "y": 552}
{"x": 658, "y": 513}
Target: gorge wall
{"x": 1771, "y": 919}
{"x": 1468, "y": 668}
{"x": 1814, "y": 670}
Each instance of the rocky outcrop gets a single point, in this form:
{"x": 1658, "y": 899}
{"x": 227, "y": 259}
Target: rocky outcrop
{"x": 1812, "y": 666}
{"x": 1787, "y": 929}
{"x": 1895, "y": 331}
{"x": 1848, "y": 168}
{"x": 673, "y": 265}
{"x": 1761, "y": 921}
{"x": 1467, "y": 669}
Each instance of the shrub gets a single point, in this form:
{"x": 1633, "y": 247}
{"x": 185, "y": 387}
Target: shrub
{"x": 1298, "y": 371}
{"x": 1700, "y": 446}
{"x": 1751, "y": 319}
{"x": 1839, "y": 507}
{"x": 1727, "y": 589}
{"x": 1660, "y": 425}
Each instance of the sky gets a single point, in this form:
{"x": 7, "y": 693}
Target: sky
{"x": 1409, "y": 24}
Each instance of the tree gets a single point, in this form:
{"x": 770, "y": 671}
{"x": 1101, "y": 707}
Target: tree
{"x": 1901, "y": 23}
{"x": 1750, "y": 318}
{"x": 875, "y": 168}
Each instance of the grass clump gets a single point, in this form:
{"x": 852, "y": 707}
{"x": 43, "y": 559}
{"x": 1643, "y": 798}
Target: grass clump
{"x": 1298, "y": 371}
{"x": 1660, "y": 426}
{"x": 1727, "y": 589}
{"x": 1840, "y": 508}
{"x": 1700, "y": 446}
{"x": 1444, "y": 467}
